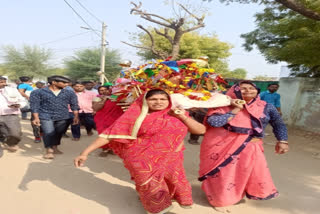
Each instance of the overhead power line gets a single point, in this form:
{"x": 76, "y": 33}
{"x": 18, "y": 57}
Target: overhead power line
{"x": 72, "y": 49}
{"x": 88, "y": 11}
{"x": 82, "y": 18}
{"x": 64, "y": 38}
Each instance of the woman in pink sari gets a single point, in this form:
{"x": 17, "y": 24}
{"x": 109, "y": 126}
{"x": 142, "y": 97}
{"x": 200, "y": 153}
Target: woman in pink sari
{"x": 149, "y": 139}
{"x": 232, "y": 161}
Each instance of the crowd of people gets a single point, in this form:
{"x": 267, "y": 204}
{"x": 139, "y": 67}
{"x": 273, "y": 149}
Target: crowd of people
{"x": 149, "y": 137}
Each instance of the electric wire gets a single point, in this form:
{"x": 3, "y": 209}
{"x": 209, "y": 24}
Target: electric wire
{"x": 89, "y": 11}
{"x": 82, "y": 18}
{"x": 63, "y": 38}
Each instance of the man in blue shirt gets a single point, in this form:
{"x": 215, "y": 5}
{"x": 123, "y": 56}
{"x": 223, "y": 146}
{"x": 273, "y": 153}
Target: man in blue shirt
{"x": 49, "y": 108}
{"x": 25, "y": 90}
{"x": 271, "y": 96}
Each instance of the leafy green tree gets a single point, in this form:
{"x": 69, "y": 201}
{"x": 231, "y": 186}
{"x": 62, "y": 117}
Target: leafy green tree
{"x": 282, "y": 35}
{"x": 85, "y": 64}
{"x": 57, "y": 71}
{"x": 238, "y": 73}
{"x": 27, "y": 61}
{"x": 306, "y": 8}
{"x": 263, "y": 78}
{"x": 2, "y": 70}
{"x": 192, "y": 46}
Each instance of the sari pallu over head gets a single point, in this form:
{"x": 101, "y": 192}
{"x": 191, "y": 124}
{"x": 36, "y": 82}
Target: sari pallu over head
{"x": 137, "y": 122}
{"x": 221, "y": 144}
{"x": 149, "y": 144}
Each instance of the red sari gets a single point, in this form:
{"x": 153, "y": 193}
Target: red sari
{"x": 232, "y": 161}
{"x": 151, "y": 146}
{"x": 107, "y": 115}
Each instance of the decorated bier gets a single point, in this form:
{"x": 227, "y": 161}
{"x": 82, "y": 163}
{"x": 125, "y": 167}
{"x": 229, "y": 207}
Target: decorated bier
{"x": 188, "y": 81}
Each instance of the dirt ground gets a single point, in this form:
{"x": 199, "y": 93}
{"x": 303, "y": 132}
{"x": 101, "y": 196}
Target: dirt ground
{"x": 32, "y": 185}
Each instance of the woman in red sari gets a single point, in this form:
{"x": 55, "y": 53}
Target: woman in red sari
{"x": 232, "y": 161}
{"x": 149, "y": 139}
{"x": 106, "y": 113}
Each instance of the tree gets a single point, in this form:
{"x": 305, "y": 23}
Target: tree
{"x": 2, "y": 70}
{"x": 57, "y": 71}
{"x": 192, "y": 46}
{"x": 307, "y": 8}
{"x": 172, "y": 29}
{"x": 28, "y": 61}
{"x": 263, "y": 78}
{"x": 282, "y": 35}
{"x": 238, "y": 73}
{"x": 86, "y": 63}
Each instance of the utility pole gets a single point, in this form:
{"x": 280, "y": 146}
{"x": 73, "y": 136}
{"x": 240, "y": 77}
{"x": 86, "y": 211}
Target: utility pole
{"x": 103, "y": 53}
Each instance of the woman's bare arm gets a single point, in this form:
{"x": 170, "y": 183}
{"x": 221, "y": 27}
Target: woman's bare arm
{"x": 194, "y": 127}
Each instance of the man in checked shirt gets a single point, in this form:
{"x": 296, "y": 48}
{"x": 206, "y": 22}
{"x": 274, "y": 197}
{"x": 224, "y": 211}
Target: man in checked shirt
{"x": 49, "y": 108}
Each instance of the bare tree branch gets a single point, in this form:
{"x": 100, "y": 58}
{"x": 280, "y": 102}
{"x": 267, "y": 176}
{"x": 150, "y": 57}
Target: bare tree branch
{"x": 165, "y": 34}
{"x": 176, "y": 24}
{"x": 299, "y": 8}
{"x": 151, "y": 39}
{"x": 152, "y": 48}
{"x": 194, "y": 28}
{"x": 148, "y": 16}
{"x": 136, "y": 46}
{"x": 145, "y": 48}
{"x": 200, "y": 20}
{"x": 137, "y": 7}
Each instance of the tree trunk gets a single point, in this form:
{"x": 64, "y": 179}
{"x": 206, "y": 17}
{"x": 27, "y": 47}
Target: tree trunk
{"x": 176, "y": 45}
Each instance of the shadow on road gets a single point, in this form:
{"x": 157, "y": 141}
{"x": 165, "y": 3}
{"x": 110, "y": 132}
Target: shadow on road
{"x": 117, "y": 198}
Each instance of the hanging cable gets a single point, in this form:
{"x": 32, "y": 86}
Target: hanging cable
{"x": 82, "y": 18}
{"x": 63, "y": 38}
{"x": 88, "y": 11}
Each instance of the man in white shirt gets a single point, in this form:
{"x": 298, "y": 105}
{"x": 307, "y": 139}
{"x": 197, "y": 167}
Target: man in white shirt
{"x": 10, "y": 103}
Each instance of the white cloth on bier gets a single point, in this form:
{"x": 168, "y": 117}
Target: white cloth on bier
{"x": 216, "y": 100}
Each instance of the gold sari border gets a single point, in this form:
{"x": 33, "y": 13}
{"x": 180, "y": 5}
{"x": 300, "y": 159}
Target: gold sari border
{"x": 136, "y": 126}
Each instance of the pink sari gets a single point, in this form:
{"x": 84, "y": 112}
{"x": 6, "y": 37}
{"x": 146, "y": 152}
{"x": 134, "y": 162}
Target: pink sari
{"x": 232, "y": 161}
{"x": 151, "y": 146}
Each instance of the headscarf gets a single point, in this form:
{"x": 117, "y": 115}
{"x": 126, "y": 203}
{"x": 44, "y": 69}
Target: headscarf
{"x": 256, "y": 106}
{"x": 235, "y": 93}
{"x": 128, "y": 124}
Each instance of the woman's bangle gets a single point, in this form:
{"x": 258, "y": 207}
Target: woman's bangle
{"x": 283, "y": 141}
{"x": 185, "y": 118}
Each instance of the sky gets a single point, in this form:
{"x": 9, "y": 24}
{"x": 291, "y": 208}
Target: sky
{"x": 52, "y": 24}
